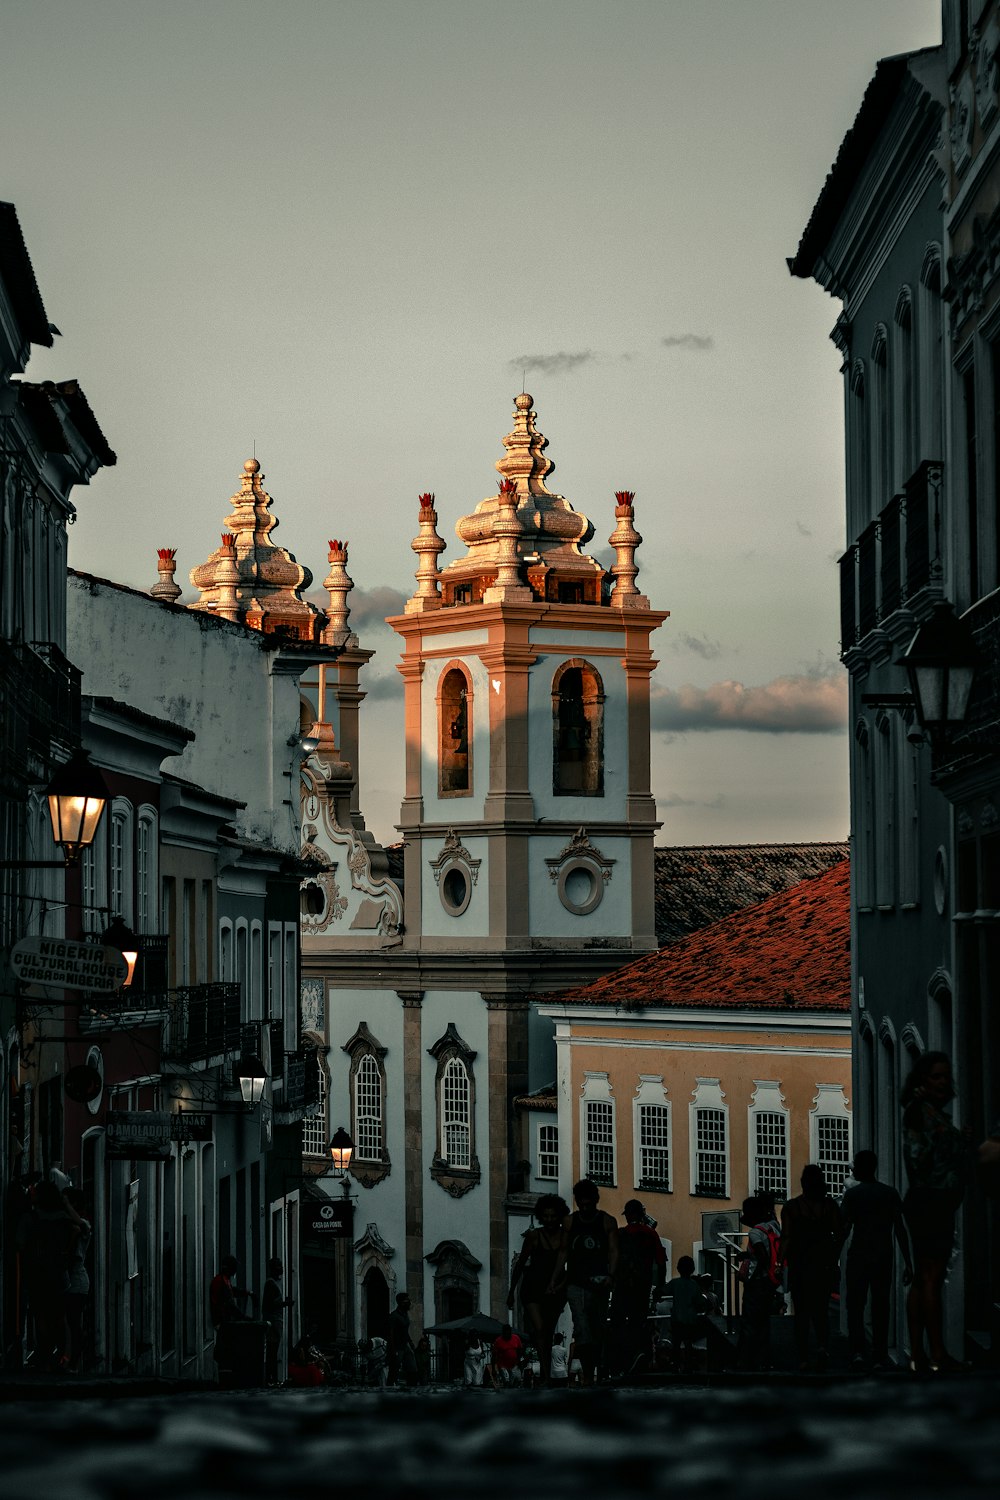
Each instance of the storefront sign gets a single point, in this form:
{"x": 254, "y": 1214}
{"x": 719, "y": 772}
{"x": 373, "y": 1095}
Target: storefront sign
{"x": 191, "y": 1125}
{"x": 59, "y": 963}
{"x": 138, "y": 1134}
{"x": 328, "y": 1221}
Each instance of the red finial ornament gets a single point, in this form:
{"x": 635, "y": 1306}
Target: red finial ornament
{"x": 506, "y": 487}
{"x": 166, "y": 552}
{"x": 228, "y": 541}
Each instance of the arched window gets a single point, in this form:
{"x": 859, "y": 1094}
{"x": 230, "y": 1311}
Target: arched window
{"x": 370, "y": 1162}
{"x": 577, "y": 731}
{"x": 863, "y": 820}
{"x": 455, "y": 1166}
{"x": 904, "y": 395}
{"x": 858, "y": 467}
{"x": 886, "y": 827}
{"x": 120, "y": 894}
{"x": 931, "y": 334}
{"x": 146, "y": 873}
{"x": 456, "y": 1122}
{"x": 881, "y": 421}
{"x": 455, "y": 733}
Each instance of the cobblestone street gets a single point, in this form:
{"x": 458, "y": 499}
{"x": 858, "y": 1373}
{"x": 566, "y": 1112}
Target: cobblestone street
{"x": 858, "y": 1439}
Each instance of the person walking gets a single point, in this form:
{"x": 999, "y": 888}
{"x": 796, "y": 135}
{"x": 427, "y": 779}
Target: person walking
{"x": 46, "y": 1239}
{"x": 402, "y": 1356}
{"x": 642, "y": 1263}
{"x": 760, "y": 1277}
{"x": 871, "y": 1222}
{"x": 543, "y": 1248}
{"x": 78, "y": 1284}
{"x": 588, "y": 1262}
{"x": 938, "y": 1162}
{"x": 810, "y": 1242}
{"x": 508, "y": 1351}
{"x": 272, "y": 1310}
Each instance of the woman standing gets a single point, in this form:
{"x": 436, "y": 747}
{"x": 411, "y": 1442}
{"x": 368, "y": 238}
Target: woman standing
{"x": 938, "y": 1161}
{"x": 535, "y": 1267}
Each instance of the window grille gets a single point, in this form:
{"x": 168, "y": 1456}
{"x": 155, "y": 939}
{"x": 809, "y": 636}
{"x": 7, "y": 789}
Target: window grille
{"x": 144, "y": 875}
{"x": 833, "y": 1150}
{"x": 654, "y": 1143}
{"x": 771, "y": 1158}
{"x": 368, "y": 1110}
{"x": 315, "y": 1140}
{"x": 548, "y": 1151}
{"x": 711, "y": 1154}
{"x": 600, "y": 1141}
{"x": 117, "y": 865}
{"x": 456, "y": 1143}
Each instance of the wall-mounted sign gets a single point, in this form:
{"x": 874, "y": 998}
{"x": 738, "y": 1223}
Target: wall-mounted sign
{"x": 59, "y": 963}
{"x": 138, "y": 1134}
{"x": 191, "y": 1125}
{"x": 329, "y": 1221}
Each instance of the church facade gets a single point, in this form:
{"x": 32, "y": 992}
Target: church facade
{"x": 526, "y": 867}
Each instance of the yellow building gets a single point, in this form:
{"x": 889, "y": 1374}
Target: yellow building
{"x": 714, "y": 1068}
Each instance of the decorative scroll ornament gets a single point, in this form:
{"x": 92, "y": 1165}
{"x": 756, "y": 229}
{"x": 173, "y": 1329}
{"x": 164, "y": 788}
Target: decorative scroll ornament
{"x": 581, "y": 873}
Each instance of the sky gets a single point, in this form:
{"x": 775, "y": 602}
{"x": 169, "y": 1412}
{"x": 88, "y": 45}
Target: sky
{"x": 342, "y": 235}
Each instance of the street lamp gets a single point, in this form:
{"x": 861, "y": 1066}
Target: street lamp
{"x": 341, "y": 1148}
{"x": 941, "y": 662}
{"x": 252, "y": 1076}
{"x": 77, "y": 797}
{"x": 119, "y": 935}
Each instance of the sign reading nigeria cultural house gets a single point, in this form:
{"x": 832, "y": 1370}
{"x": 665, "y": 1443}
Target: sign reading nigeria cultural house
{"x": 63, "y": 964}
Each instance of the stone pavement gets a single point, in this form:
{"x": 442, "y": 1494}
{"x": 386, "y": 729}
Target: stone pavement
{"x": 862, "y": 1439}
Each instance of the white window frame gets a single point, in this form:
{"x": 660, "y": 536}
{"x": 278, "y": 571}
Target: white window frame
{"x": 597, "y": 1090}
{"x": 227, "y": 950}
{"x": 451, "y": 1116}
{"x": 542, "y": 1151}
{"x": 830, "y": 1103}
{"x": 768, "y": 1100}
{"x": 371, "y": 1123}
{"x": 316, "y": 1128}
{"x": 290, "y": 986}
{"x": 651, "y": 1094}
{"x": 147, "y": 870}
{"x": 255, "y": 966}
{"x": 708, "y": 1094}
{"x": 120, "y": 895}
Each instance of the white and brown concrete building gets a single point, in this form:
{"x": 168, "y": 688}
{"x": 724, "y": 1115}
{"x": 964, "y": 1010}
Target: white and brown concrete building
{"x": 528, "y": 827}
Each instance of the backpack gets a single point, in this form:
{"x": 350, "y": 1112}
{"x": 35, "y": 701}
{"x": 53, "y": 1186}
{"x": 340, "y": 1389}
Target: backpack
{"x": 773, "y": 1268}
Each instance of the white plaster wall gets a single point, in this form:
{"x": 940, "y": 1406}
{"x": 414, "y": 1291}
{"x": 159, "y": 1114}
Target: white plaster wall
{"x": 578, "y": 809}
{"x": 549, "y": 918}
{"x": 454, "y": 810}
{"x": 212, "y": 677}
{"x": 475, "y": 919}
{"x": 466, "y": 1218}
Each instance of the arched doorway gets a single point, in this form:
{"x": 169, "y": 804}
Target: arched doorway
{"x": 376, "y": 1304}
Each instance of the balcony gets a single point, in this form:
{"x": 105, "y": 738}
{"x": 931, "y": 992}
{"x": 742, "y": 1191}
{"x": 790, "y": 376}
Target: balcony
{"x": 203, "y": 1023}
{"x": 300, "y": 1092}
{"x": 893, "y": 560}
{"x": 39, "y": 711}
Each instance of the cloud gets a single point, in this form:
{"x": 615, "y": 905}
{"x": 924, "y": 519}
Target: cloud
{"x": 807, "y": 704}
{"x": 675, "y": 800}
{"x": 551, "y": 364}
{"x": 389, "y": 686}
{"x": 697, "y": 342}
{"x": 370, "y": 606}
{"x": 701, "y": 646}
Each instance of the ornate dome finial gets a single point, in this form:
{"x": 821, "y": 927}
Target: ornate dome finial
{"x": 507, "y": 587}
{"x": 625, "y": 539}
{"x": 165, "y": 587}
{"x": 428, "y": 546}
{"x": 338, "y": 585}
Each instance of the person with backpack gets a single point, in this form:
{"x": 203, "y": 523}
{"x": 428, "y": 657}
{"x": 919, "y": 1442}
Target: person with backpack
{"x": 810, "y": 1247}
{"x": 760, "y": 1277}
{"x": 642, "y": 1262}
{"x": 588, "y": 1262}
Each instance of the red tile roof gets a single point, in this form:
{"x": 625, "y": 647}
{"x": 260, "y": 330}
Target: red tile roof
{"x": 790, "y": 951}
{"x": 702, "y": 883}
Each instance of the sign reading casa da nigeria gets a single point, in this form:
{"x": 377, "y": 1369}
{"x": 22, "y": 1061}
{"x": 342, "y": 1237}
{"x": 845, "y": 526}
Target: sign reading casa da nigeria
{"x": 59, "y": 963}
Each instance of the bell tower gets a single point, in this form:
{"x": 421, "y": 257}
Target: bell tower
{"x": 528, "y": 816}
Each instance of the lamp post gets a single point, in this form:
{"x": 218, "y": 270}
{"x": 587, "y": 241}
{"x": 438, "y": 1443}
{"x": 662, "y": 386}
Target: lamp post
{"x": 252, "y": 1076}
{"x": 77, "y": 796}
{"x": 341, "y": 1149}
{"x": 941, "y": 663}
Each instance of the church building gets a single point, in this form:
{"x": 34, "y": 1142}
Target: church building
{"x": 526, "y": 867}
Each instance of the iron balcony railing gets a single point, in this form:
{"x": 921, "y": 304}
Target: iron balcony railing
{"x": 39, "y": 710}
{"x": 203, "y": 1022}
{"x": 893, "y": 559}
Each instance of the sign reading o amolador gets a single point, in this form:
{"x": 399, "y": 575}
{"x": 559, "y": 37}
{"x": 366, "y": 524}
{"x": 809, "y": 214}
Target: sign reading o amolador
{"x": 60, "y": 963}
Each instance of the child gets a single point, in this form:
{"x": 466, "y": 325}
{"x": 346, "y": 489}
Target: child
{"x": 475, "y": 1361}
{"x": 559, "y": 1366}
{"x": 689, "y": 1305}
